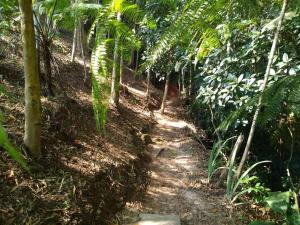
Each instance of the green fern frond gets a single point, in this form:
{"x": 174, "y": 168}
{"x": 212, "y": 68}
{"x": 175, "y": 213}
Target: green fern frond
{"x": 100, "y": 82}
{"x": 209, "y": 41}
{"x": 132, "y": 12}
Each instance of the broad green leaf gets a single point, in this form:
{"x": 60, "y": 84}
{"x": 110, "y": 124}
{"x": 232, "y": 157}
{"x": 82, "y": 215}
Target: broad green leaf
{"x": 285, "y": 58}
{"x": 240, "y": 78}
{"x": 279, "y": 201}
{"x": 292, "y": 72}
{"x": 293, "y": 219}
{"x": 272, "y": 72}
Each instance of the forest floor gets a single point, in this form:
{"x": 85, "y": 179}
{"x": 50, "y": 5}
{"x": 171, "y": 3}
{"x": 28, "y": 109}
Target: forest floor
{"x": 179, "y": 184}
{"x": 86, "y": 177}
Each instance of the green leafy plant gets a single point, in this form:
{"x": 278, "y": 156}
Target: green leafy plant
{"x": 105, "y": 23}
{"x": 234, "y": 184}
{"x": 282, "y": 203}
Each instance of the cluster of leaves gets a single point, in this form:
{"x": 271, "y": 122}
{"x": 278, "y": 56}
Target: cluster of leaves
{"x": 229, "y": 85}
{"x": 228, "y": 81}
{"x": 8, "y": 14}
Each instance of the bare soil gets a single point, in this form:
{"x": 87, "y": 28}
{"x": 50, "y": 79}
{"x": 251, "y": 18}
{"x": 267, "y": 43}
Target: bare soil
{"x": 179, "y": 182}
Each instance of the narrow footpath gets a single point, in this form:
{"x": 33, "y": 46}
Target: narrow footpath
{"x": 179, "y": 187}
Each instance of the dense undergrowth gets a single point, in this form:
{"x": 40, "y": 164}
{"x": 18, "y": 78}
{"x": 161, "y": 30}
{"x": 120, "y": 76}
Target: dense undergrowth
{"x": 235, "y": 63}
{"x": 229, "y": 82}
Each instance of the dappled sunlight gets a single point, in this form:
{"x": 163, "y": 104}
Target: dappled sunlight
{"x": 163, "y": 120}
{"x": 136, "y": 91}
{"x": 187, "y": 162}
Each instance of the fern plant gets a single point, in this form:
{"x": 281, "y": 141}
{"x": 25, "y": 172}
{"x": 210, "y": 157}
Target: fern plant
{"x": 108, "y": 29}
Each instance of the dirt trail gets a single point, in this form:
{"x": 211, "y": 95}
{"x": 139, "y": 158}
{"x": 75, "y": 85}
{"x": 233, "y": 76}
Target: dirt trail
{"x": 178, "y": 176}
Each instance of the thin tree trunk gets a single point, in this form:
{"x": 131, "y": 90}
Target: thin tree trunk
{"x": 47, "y": 67}
{"x": 179, "y": 83}
{"x": 132, "y": 59}
{"x": 32, "y": 83}
{"x": 148, "y": 75}
{"x": 267, "y": 74}
{"x": 74, "y": 46}
{"x": 83, "y": 54}
{"x": 115, "y": 80}
{"x": 183, "y": 83}
{"x": 137, "y": 61}
{"x": 190, "y": 80}
{"x": 163, "y": 104}
{"x": 148, "y": 83}
{"x": 121, "y": 68}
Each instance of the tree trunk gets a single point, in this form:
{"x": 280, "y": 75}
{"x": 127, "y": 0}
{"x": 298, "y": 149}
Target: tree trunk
{"x": 47, "y": 67}
{"x": 137, "y": 61}
{"x": 83, "y": 50}
{"x": 183, "y": 83}
{"x": 190, "y": 87}
{"x": 121, "y": 68}
{"x": 115, "y": 80}
{"x": 32, "y": 83}
{"x": 132, "y": 59}
{"x": 163, "y": 104}
{"x": 148, "y": 84}
{"x": 267, "y": 74}
{"x": 74, "y": 46}
{"x": 179, "y": 83}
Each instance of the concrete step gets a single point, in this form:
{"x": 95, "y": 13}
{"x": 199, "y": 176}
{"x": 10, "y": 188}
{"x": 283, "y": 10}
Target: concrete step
{"x": 157, "y": 219}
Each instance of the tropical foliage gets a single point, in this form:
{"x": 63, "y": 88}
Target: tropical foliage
{"x": 236, "y": 65}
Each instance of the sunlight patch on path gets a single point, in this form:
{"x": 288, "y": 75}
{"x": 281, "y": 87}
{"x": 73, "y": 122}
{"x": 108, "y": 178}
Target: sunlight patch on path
{"x": 177, "y": 172}
{"x": 163, "y": 120}
{"x": 155, "y": 219}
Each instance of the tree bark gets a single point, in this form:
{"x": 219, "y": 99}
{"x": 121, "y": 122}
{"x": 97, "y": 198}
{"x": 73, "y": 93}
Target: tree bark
{"x": 83, "y": 49}
{"x": 132, "y": 59}
{"x": 190, "y": 87}
{"x": 148, "y": 84}
{"x": 32, "y": 82}
{"x": 179, "y": 83}
{"x": 115, "y": 80}
{"x": 121, "y": 67}
{"x": 137, "y": 61}
{"x": 266, "y": 77}
{"x": 74, "y": 46}
{"x": 47, "y": 66}
{"x": 183, "y": 83}
{"x": 163, "y": 104}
